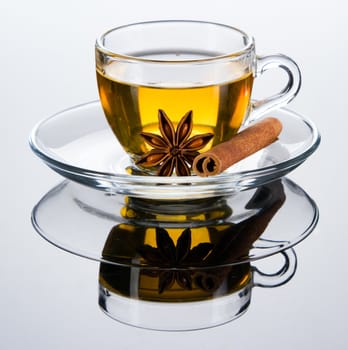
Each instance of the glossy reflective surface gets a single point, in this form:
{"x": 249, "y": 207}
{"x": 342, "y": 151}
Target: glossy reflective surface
{"x": 102, "y": 227}
{"x": 214, "y": 296}
{"x": 178, "y": 265}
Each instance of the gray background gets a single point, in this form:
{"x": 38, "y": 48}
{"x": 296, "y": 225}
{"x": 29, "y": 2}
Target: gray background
{"x": 48, "y": 298}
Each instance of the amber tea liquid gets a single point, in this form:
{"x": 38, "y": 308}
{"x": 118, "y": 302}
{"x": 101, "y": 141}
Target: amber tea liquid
{"x": 131, "y": 109}
{"x": 163, "y": 285}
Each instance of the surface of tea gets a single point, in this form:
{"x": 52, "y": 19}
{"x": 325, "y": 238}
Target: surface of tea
{"x": 131, "y": 109}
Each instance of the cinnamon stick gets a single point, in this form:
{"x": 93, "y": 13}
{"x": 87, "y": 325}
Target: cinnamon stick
{"x": 242, "y": 145}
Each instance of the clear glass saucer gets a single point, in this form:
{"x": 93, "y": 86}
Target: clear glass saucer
{"x": 115, "y": 229}
{"x": 78, "y": 144}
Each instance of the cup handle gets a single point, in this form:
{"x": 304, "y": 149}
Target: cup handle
{"x": 284, "y": 275}
{"x": 264, "y": 63}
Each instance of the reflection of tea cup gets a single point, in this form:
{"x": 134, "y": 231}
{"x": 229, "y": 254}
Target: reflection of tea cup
{"x": 150, "y": 75}
{"x": 216, "y": 296}
{"x": 186, "y": 253}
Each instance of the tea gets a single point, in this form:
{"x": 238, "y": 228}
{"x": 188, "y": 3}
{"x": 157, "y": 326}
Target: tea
{"x": 131, "y": 109}
{"x": 145, "y": 284}
{"x": 176, "y": 249}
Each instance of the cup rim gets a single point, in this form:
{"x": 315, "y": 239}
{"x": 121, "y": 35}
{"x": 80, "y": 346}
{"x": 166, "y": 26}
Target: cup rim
{"x": 124, "y": 57}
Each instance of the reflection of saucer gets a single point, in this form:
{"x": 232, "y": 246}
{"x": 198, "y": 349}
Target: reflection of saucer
{"x": 92, "y": 223}
{"x": 78, "y": 144}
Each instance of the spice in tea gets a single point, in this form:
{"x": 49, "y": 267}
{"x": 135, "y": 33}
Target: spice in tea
{"x": 174, "y": 150}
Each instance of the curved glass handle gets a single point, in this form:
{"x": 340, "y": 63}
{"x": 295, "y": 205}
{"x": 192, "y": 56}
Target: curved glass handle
{"x": 280, "y": 277}
{"x": 265, "y": 63}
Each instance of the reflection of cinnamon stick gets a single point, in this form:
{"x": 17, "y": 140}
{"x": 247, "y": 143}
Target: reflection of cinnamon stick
{"x": 242, "y": 145}
{"x": 268, "y": 199}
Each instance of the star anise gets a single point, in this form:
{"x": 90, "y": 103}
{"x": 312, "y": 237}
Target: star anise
{"x": 174, "y": 149}
{"x": 173, "y": 258}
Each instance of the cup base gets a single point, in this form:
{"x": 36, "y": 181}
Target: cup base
{"x": 174, "y": 316}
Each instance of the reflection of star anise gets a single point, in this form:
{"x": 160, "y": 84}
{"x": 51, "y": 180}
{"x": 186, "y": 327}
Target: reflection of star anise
{"x": 171, "y": 258}
{"x": 174, "y": 149}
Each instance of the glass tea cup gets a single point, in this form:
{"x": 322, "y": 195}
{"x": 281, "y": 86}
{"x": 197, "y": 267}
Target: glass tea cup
{"x": 187, "y": 265}
{"x": 126, "y": 296}
{"x": 172, "y": 89}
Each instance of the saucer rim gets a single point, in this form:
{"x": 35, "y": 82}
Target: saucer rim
{"x": 262, "y": 251}
{"x": 121, "y": 183}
